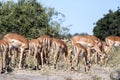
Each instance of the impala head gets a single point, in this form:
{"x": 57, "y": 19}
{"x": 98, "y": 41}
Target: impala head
{"x": 102, "y": 55}
{"x": 104, "y": 58}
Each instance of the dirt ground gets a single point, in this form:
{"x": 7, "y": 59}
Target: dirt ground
{"x": 96, "y": 73}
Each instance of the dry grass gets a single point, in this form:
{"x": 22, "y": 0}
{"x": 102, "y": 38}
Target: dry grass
{"x": 113, "y": 61}
{"x": 114, "y": 58}
{"x": 63, "y": 68}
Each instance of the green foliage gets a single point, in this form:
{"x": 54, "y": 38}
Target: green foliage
{"x": 29, "y": 18}
{"x": 108, "y": 25}
{"x": 80, "y": 34}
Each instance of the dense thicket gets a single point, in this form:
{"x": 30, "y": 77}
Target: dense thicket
{"x": 108, "y": 25}
{"x": 30, "y": 18}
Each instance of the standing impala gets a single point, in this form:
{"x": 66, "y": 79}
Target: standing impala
{"x": 17, "y": 41}
{"x": 46, "y": 41}
{"x": 35, "y": 49}
{"x": 112, "y": 41}
{"x": 90, "y": 42}
{"x": 59, "y": 47}
{"x": 4, "y": 48}
{"x": 80, "y": 51}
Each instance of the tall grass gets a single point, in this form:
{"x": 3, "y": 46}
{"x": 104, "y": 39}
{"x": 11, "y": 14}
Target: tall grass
{"x": 114, "y": 58}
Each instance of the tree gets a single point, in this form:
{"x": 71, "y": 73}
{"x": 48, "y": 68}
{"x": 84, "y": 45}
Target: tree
{"x": 29, "y": 18}
{"x": 108, "y": 25}
{"x": 83, "y": 34}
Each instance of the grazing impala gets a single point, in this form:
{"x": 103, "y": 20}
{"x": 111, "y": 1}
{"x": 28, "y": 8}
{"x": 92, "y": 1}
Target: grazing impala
{"x": 35, "y": 49}
{"x": 80, "y": 51}
{"x": 59, "y": 47}
{"x": 17, "y": 41}
{"x": 112, "y": 41}
{"x": 90, "y": 42}
{"x": 46, "y": 41}
{"x": 4, "y": 48}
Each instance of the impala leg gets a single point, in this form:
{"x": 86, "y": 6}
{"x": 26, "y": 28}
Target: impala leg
{"x": 21, "y": 57}
{"x": 66, "y": 57}
{"x": 13, "y": 57}
{"x": 47, "y": 57}
{"x": 73, "y": 60}
{"x": 10, "y": 55}
{"x": 2, "y": 69}
{"x": 7, "y": 62}
{"x": 56, "y": 56}
{"x": 42, "y": 58}
{"x": 109, "y": 48}
{"x": 89, "y": 54}
{"x": 4, "y": 61}
{"x": 44, "y": 55}
{"x": 38, "y": 61}
{"x": 35, "y": 59}
{"x": 86, "y": 62}
{"x": 77, "y": 62}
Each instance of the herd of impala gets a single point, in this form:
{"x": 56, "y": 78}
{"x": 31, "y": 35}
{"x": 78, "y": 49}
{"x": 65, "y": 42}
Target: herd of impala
{"x": 87, "y": 47}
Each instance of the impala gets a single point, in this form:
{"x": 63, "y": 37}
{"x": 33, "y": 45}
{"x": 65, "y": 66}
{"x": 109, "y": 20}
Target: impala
{"x": 46, "y": 41}
{"x": 112, "y": 41}
{"x": 4, "y": 48}
{"x": 17, "y": 41}
{"x": 80, "y": 51}
{"x": 90, "y": 42}
{"x": 35, "y": 49}
{"x": 59, "y": 47}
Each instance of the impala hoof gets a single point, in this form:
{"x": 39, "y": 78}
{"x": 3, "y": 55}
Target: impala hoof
{"x": 9, "y": 69}
{"x": 3, "y": 71}
{"x": 34, "y": 68}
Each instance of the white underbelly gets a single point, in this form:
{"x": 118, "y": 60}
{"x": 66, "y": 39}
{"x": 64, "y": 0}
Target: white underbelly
{"x": 16, "y": 43}
{"x": 85, "y": 44}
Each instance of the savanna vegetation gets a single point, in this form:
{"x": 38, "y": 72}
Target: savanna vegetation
{"x": 31, "y": 19}
{"x": 108, "y": 25}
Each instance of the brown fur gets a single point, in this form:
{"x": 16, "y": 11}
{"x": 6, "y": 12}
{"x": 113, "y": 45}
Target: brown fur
{"x": 36, "y": 50}
{"x": 111, "y": 41}
{"x": 91, "y": 43}
{"x": 59, "y": 47}
{"x": 17, "y": 41}
{"x": 46, "y": 41}
{"x": 80, "y": 51}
